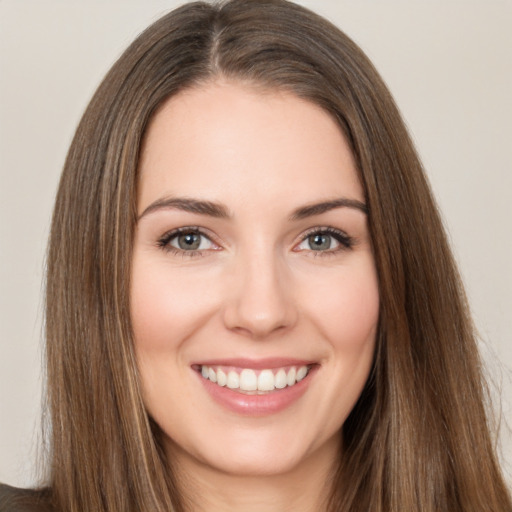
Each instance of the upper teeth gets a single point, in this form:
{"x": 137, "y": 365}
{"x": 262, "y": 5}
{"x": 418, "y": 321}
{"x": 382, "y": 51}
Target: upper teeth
{"x": 248, "y": 380}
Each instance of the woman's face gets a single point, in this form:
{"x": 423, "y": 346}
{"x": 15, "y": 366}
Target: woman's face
{"x": 254, "y": 296}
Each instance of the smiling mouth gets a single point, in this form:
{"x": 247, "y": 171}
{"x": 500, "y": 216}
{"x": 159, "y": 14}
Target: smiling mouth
{"x": 254, "y": 382}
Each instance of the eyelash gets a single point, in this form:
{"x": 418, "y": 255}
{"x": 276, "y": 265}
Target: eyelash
{"x": 346, "y": 242}
{"x": 165, "y": 240}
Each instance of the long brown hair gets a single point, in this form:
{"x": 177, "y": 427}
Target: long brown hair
{"x": 418, "y": 438}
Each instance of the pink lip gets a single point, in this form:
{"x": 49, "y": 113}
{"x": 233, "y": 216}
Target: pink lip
{"x": 257, "y": 405}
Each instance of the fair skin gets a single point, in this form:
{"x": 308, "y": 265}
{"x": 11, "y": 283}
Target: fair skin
{"x": 253, "y": 283}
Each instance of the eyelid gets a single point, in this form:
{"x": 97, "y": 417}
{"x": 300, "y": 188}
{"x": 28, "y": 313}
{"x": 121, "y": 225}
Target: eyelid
{"x": 342, "y": 238}
{"x": 164, "y": 241}
{"x": 346, "y": 241}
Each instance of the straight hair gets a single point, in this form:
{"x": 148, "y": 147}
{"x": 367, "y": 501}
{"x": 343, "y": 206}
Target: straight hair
{"x": 418, "y": 438}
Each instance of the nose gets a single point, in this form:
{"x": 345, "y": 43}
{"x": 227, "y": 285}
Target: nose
{"x": 260, "y": 299}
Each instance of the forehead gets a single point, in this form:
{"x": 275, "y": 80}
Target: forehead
{"x": 230, "y": 142}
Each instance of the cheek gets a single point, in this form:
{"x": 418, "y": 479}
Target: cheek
{"x": 346, "y": 312}
{"x": 166, "y": 307}
{"x": 346, "y": 307}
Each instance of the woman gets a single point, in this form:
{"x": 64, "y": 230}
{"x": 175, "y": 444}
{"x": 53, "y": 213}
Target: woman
{"x": 251, "y": 304}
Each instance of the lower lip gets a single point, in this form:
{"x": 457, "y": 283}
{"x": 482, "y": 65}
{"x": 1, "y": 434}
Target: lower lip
{"x": 257, "y": 405}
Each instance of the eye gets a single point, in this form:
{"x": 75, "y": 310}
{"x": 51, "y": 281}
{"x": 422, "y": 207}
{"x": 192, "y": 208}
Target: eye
{"x": 320, "y": 242}
{"x": 190, "y": 240}
{"x": 327, "y": 240}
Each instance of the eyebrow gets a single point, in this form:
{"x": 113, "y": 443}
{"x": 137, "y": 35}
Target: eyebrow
{"x": 188, "y": 205}
{"x": 325, "y": 206}
{"x": 220, "y": 211}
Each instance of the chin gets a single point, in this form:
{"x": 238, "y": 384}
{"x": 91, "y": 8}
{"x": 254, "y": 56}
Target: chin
{"x": 256, "y": 454}
{"x": 271, "y": 464}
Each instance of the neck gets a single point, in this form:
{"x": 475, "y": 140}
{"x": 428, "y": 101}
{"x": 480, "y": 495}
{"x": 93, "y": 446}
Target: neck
{"x": 305, "y": 488}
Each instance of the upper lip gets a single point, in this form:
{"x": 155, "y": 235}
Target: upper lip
{"x": 256, "y": 364}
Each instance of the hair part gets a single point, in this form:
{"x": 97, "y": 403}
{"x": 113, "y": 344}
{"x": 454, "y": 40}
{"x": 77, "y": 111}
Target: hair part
{"x": 417, "y": 439}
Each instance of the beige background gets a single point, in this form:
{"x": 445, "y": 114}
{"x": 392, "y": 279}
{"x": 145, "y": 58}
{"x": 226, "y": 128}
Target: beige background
{"x": 447, "y": 62}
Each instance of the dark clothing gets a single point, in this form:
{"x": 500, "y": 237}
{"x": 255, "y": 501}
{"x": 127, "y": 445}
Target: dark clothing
{"x": 22, "y": 500}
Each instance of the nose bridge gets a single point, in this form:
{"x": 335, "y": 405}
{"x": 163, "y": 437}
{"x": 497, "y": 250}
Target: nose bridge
{"x": 261, "y": 301}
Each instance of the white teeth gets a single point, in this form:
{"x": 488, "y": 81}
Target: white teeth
{"x": 222, "y": 378}
{"x": 290, "y": 378}
{"x": 301, "y": 373}
{"x": 248, "y": 380}
{"x": 280, "y": 379}
{"x": 266, "y": 381}
{"x": 233, "y": 381}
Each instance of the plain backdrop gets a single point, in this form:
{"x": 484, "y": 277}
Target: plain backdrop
{"x": 447, "y": 62}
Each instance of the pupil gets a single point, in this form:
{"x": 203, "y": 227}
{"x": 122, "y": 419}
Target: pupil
{"x": 319, "y": 242}
{"x": 189, "y": 241}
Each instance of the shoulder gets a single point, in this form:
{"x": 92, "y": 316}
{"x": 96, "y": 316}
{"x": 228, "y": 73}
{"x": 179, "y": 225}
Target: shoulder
{"x": 13, "y": 499}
